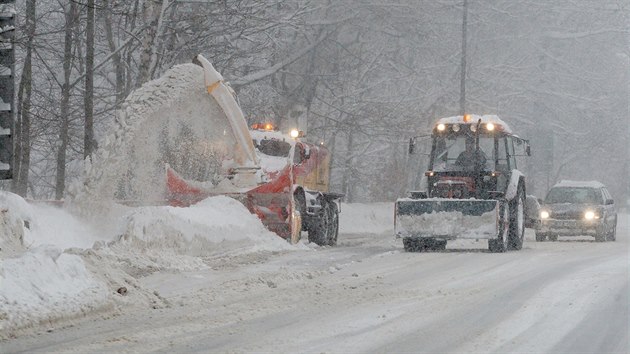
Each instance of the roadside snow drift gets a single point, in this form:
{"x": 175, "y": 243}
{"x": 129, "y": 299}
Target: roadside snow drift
{"x": 55, "y": 265}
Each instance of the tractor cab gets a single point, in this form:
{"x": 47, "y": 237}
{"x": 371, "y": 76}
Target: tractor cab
{"x": 471, "y": 157}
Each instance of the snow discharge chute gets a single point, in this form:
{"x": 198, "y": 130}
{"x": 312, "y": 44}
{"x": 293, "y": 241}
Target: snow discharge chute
{"x": 245, "y": 154}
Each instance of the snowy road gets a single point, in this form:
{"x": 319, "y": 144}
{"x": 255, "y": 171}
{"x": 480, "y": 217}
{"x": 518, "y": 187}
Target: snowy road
{"x": 368, "y": 295}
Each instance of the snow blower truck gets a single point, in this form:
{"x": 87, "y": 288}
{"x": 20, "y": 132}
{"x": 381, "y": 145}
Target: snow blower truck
{"x": 279, "y": 177}
{"x": 472, "y": 188}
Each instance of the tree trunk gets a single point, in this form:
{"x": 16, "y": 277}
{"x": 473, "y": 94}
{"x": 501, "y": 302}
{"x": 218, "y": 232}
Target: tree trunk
{"x": 23, "y": 140}
{"x": 129, "y": 60}
{"x": 71, "y": 16}
{"x": 153, "y": 15}
{"x": 348, "y": 178}
{"x": 89, "y": 144}
{"x": 116, "y": 58}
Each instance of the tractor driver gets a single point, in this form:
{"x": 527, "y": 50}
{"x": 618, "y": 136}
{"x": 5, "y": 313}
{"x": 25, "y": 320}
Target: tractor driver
{"x": 471, "y": 156}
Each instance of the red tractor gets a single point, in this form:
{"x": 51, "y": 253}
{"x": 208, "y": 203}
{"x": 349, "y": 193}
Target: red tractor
{"x": 472, "y": 188}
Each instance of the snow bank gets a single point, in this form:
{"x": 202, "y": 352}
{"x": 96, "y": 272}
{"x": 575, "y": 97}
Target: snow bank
{"x": 158, "y": 238}
{"x": 373, "y": 218}
{"x": 56, "y": 265}
{"x": 44, "y": 284}
{"x": 11, "y": 226}
{"x": 38, "y": 281}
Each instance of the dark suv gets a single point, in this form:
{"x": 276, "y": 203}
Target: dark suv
{"x": 574, "y": 208}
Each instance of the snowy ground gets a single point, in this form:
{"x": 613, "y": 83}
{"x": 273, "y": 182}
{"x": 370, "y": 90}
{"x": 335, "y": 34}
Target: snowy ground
{"x": 211, "y": 279}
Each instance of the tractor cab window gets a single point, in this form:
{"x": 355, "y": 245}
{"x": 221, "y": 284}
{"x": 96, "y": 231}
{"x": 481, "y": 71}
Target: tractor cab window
{"x": 273, "y": 147}
{"x": 454, "y": 153}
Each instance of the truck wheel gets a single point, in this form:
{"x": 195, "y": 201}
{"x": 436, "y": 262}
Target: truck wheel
{"x": 300, "y": 204}
{"x": 319, "y": 231}
{"x": 295, "y": 222}
{"x": 517, "y": 220}
{"x": 500, "y": 244}
{"x": 333, "y": 226}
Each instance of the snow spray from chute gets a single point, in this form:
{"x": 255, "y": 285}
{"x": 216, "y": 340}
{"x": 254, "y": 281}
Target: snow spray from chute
{"x": 171, "y": 121}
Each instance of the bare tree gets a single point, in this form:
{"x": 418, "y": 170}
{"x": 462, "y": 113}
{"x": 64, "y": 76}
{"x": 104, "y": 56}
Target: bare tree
{"x": 71, "y": 18}
{"x": 23, "y": 124}
{"x": 154, "y": 12}
{"x": 89, "y": 143}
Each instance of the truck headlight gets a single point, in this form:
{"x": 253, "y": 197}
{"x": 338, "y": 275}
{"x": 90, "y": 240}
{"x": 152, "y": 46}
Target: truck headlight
{"x": 544, "y": 214}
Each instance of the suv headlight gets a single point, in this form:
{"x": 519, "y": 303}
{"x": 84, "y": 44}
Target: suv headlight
{"x": 590, "y": 215}
{"x": 544, "y": 214}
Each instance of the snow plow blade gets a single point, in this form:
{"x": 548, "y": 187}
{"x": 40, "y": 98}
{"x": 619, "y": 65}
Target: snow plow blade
{"x": 447, "y": 219}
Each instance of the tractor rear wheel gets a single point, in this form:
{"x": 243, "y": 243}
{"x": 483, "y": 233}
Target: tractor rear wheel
{"x": 517, "y": 220}
{"x": 500, "y": 244}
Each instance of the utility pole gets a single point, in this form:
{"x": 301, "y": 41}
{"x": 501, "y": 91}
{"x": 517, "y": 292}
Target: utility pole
{"x": 462, "y": 95}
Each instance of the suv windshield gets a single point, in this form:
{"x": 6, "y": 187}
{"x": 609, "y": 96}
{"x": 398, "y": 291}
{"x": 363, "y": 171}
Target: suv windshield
{"x": 573, "y": 195}
{"x": 274, "y": 147}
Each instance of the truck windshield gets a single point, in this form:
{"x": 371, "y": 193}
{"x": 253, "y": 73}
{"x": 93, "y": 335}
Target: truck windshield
{"x": 274, "y": 147}
{"x": 456, "y": 152}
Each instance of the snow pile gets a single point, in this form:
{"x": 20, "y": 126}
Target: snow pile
{"x": 39, "y": 281}
{"x": 372, "y": 218}
{"x": 159, "y": 238}
{"x": 44, "y": 284}
{"x": 56, "y": 265}
{"x": 11, "y": 227}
